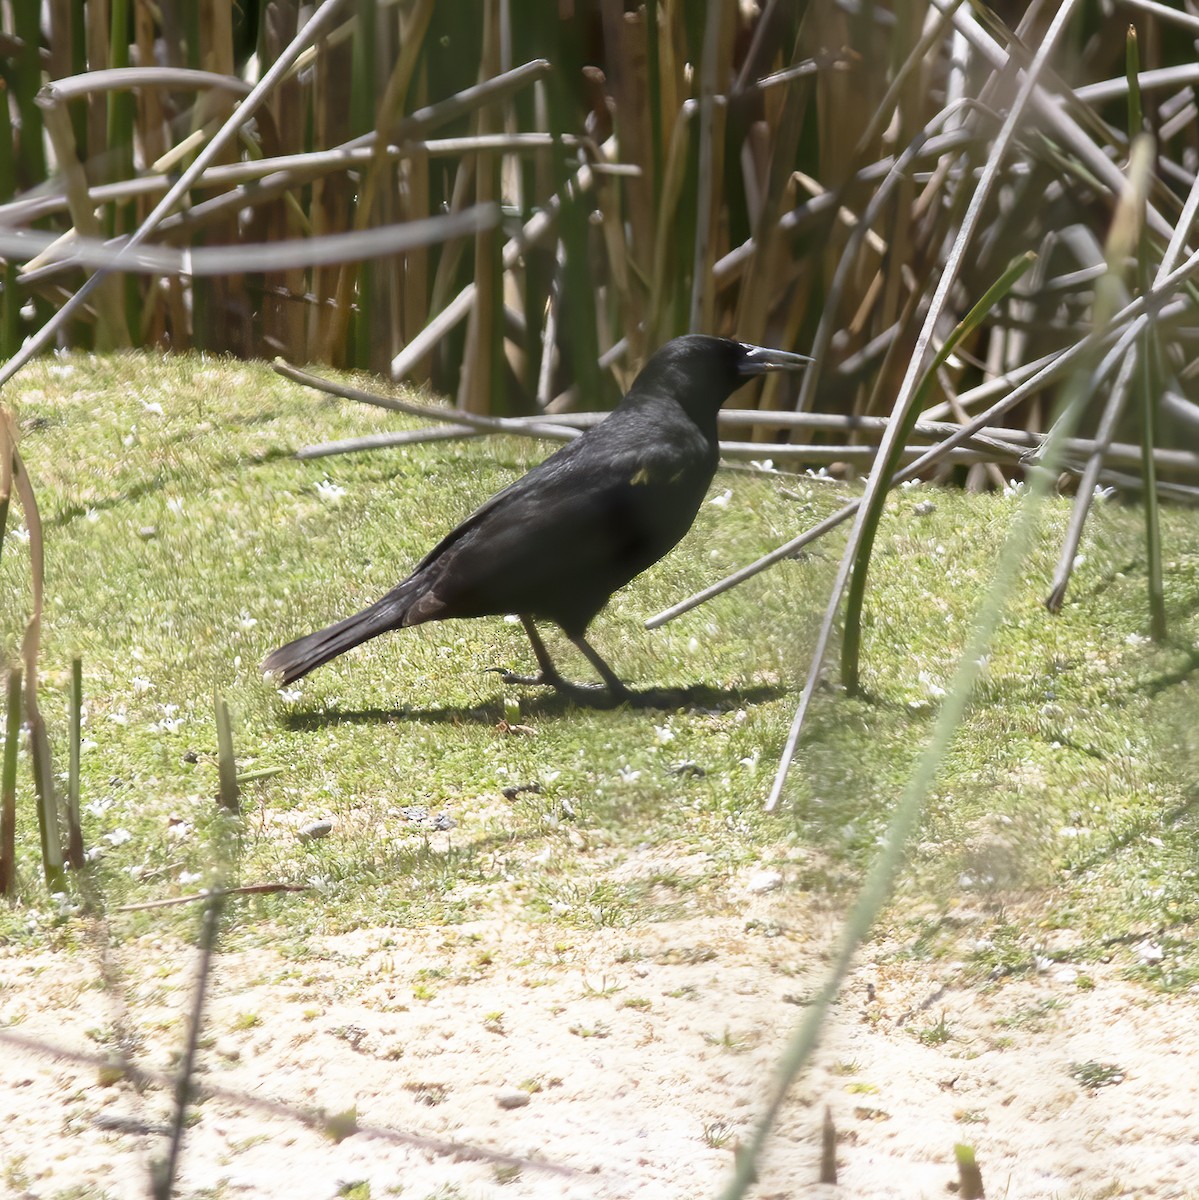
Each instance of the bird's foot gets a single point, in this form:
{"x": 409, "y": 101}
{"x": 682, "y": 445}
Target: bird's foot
{"x": 541, "y": 679}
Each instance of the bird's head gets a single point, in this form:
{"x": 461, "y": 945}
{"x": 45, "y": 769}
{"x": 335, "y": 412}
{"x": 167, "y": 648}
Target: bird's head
{"x": 702, "y": 372}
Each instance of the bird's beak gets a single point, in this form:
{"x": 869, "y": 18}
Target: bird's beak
{"x": 760, "y": 359}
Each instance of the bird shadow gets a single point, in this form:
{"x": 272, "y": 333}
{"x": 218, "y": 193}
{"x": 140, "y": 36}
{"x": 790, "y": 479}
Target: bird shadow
{"x": 543, "y": 706}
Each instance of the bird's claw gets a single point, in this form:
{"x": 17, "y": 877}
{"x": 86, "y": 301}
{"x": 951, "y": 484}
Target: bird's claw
{"x": 510, "y": 676}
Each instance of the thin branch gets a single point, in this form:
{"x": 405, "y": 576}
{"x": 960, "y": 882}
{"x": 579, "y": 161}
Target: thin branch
{"x": 428, "y": 411}
{"x": 317, "y": 1119}
{"x": 878, "y": 482}
{"x": 249, "y": 889}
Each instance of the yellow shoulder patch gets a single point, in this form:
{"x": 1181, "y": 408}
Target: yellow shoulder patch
{"x": 642, "y": 476}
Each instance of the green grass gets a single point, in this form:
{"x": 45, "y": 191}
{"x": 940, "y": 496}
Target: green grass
{"x": 185, "y": 544}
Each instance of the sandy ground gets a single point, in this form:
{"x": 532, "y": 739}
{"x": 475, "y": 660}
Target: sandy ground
{"x": 613, "y": 1063}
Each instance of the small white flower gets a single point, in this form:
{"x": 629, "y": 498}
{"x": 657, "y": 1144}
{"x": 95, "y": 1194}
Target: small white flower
{"x": 721, "y": 501}
{"x": 1104, "y": 493}
{"x": 141, "y": 684}
{"x": 246, "y": 621}
{"x": 1135, "y": 639}
{"x": 175, "y": 505}
{"x": 559, "y": 909}
{"x": 87, "y": 744}
{"x": 628, "y": 774}
{"x": 328, "y": 490}
{"x": 97, "y": 808}
{"x": 153, "y": 407}
{"x": 186, "y": 877}
{"x": 663, "y": 734}
{"x": 762, "y": 464}
{"x": 120, "y": 717}
{"x": 750, "y": 762}
{"x": 290, "y": 695}
{"x": 92, "y": 855}
{"x": 934, "y": 689}
{"x": 118, "y": 837}
{"x": 20, "y": 534}
{"x": 1150, "y": 953}
{"x": 91, "y": 516}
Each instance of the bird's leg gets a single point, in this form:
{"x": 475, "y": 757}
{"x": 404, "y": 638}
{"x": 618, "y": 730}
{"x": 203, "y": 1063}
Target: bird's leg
{"x": 613, "y": 684}
{"x": 548, "y": 674}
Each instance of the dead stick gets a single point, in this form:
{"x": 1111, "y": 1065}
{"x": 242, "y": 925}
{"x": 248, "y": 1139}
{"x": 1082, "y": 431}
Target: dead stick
{"x": 249, "y": 889}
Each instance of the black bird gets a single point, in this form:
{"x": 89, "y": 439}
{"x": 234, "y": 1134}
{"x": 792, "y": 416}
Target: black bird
{"x": 556, "y": 543}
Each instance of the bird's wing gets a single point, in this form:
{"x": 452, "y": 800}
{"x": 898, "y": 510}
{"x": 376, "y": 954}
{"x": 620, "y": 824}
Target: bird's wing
{"x": 586, "y": 519}
{"x": 536, "y": 481}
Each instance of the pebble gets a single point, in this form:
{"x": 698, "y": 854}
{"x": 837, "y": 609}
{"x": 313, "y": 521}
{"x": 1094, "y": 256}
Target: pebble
{"x": 764, "y": 881}
{"x": 318, "y": 829}
{"x": 512, "y": 1099}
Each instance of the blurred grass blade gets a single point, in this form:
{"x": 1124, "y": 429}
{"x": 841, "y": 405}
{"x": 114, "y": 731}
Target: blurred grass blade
{"x": 227, "y": 792}
{"x": 879, "y": 482}
{"x": 851, "y": 639}
{"x": 1150, "y": 363}
{"x": 828, "y": 1147}
{"x": 1008, "y": 573}
{"x": 39, "y": 741}
{"x": 1132, "y": 68}
{"x": 1089, "y": 480}
{"x": 267, "y": 256}
{"x": 47, "y": 796}
{"x": 75, "y": 853}
{"x": 970, "y": 1180}
{"x": 877, "y": 886}
{"x": 10, "y": 305}
{"x": 1151, "y": 389}
{"x": 8, "y": 445}
{"x": 8, "y": 786}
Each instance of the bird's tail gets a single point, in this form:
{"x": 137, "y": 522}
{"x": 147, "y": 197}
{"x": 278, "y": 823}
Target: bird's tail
{"x": 305, "y": 654}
